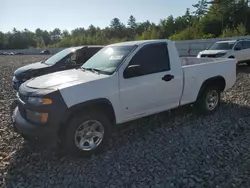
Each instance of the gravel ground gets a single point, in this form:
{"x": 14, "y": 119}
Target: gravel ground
{"x": 172, "y": 149}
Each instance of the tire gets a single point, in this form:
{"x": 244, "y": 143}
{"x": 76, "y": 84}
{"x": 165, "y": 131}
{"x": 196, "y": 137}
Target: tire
{"x": 248, "y": 63}
{"x": 70, "y": 141}
{"x": 202, "y": 103}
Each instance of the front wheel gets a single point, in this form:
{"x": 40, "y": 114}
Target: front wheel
{"x": 87, "y": 134}
{"x": 209, "y": 100}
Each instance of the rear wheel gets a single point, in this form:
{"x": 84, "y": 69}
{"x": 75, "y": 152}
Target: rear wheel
{"x": 87, "y": 134}
{"x": 209, "y": 100}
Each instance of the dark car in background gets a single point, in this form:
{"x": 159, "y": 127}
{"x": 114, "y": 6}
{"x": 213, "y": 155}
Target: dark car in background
{"x": 45, "y": 52}
{"x": 68, "y": 58}
{"x": 18, "y": 53}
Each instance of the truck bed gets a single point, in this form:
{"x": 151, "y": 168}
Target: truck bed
{"x": 186, "y": 61}
{"x": 197, "y": 70}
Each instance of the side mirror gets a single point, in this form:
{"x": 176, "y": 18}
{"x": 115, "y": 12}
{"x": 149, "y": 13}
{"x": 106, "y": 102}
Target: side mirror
{"x": 132, "y": 71}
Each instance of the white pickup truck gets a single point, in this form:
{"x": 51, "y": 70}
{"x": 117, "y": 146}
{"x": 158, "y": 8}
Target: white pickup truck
{"x": 237, "y": 49}
{"x": 122, "y": 82}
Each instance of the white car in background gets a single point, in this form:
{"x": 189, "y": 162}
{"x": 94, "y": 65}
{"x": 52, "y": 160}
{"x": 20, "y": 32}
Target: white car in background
{"x": 238, "y": 49}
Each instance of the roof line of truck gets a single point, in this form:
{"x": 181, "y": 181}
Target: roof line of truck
{"x": 138, "y": 42}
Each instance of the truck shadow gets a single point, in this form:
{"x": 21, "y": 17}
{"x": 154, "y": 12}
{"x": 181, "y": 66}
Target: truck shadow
{"x": 35, "y": 167}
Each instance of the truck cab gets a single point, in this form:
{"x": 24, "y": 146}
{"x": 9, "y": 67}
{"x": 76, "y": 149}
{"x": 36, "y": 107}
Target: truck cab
{"x": 238, "y": 49}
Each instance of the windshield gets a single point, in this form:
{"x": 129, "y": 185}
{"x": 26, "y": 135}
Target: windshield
{"x": 58, "y": 56}
{"x": 108, "y": 59}
{"x": 222, "y": 46}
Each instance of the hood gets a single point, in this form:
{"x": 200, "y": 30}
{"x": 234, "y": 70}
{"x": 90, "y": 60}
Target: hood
{"x": 63, "y": 77}
{"x": 214, "y": 51}
{"x": 34, "y": 66}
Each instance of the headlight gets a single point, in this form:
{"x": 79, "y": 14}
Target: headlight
{"x": 220, "y": 54}
{"x": 24, "y": 79}
{"x": 14, "y": 79}
{"x": 37, "y": 101}
{"x": 36, "y": 117}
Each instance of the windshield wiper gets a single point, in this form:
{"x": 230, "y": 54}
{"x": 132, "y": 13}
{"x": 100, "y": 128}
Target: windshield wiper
{"x": 43, "y": 61}
{"x": 97, "y": 71}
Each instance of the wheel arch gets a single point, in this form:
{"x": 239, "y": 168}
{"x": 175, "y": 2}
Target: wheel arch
{"x": 218, "y": 81}
{"x": 102, "y": 105}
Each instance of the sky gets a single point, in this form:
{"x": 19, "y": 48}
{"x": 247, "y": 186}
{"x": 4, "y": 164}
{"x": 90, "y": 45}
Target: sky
{"x": 70, "y": 14}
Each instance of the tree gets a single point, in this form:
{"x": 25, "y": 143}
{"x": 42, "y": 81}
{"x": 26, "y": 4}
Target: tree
{"x": 201, "y": 8}
{"x": 132, "y": 22}
{"x": 116, "y": 24}
{"x": 211, "y": 18}
{"x": 240, "y": 30}
{"x": 65, "y": 33}
{"x": 118, "y": 29}
{"x": 132, "y": 25}
{"x": 55, "y": 35}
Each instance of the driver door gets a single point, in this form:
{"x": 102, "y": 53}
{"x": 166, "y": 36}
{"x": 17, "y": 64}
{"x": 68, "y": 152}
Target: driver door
{"x": 147, "y": 92}
{"x": 239, "y": 51}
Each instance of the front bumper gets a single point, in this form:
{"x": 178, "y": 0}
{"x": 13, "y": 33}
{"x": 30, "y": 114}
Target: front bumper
{"x": 42, "y": 134}
{"x": 45, "y": 133}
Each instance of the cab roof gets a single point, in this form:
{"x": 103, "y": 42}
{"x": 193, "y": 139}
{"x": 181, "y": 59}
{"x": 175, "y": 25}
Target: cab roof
{"x": 88, "y": 46}
{"x": 138, "y": 43}
{"x": 226, "y": 41}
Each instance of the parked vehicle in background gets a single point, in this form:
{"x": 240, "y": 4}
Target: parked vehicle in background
{"x": 18, "y": 53}
{"x": 5, "y": 53}
{"x": 122, "y": 82}
{"x": 45, "y": 52}
{"x": 238, "y": 49}
{"x": 8, "y": 53}
{"x": 66, "y": 59}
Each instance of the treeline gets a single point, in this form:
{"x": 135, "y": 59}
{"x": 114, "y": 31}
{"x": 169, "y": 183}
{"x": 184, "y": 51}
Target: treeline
{"x": 215, "y": 18}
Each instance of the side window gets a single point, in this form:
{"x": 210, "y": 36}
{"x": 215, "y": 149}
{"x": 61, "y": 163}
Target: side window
{"x": 80, "y": 56}
{"x": 152, "y": 58}
{"x": 238, "y": 46}
{"x": 89, "y": 53}
{"x": 246, "y": 44}
{"x": 92, "y": 51}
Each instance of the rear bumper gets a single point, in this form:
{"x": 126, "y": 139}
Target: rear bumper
{"x": 40, "y": 134}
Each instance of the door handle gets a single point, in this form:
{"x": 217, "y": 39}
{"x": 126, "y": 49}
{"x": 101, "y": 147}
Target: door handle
{"x": 168, "y": 77}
